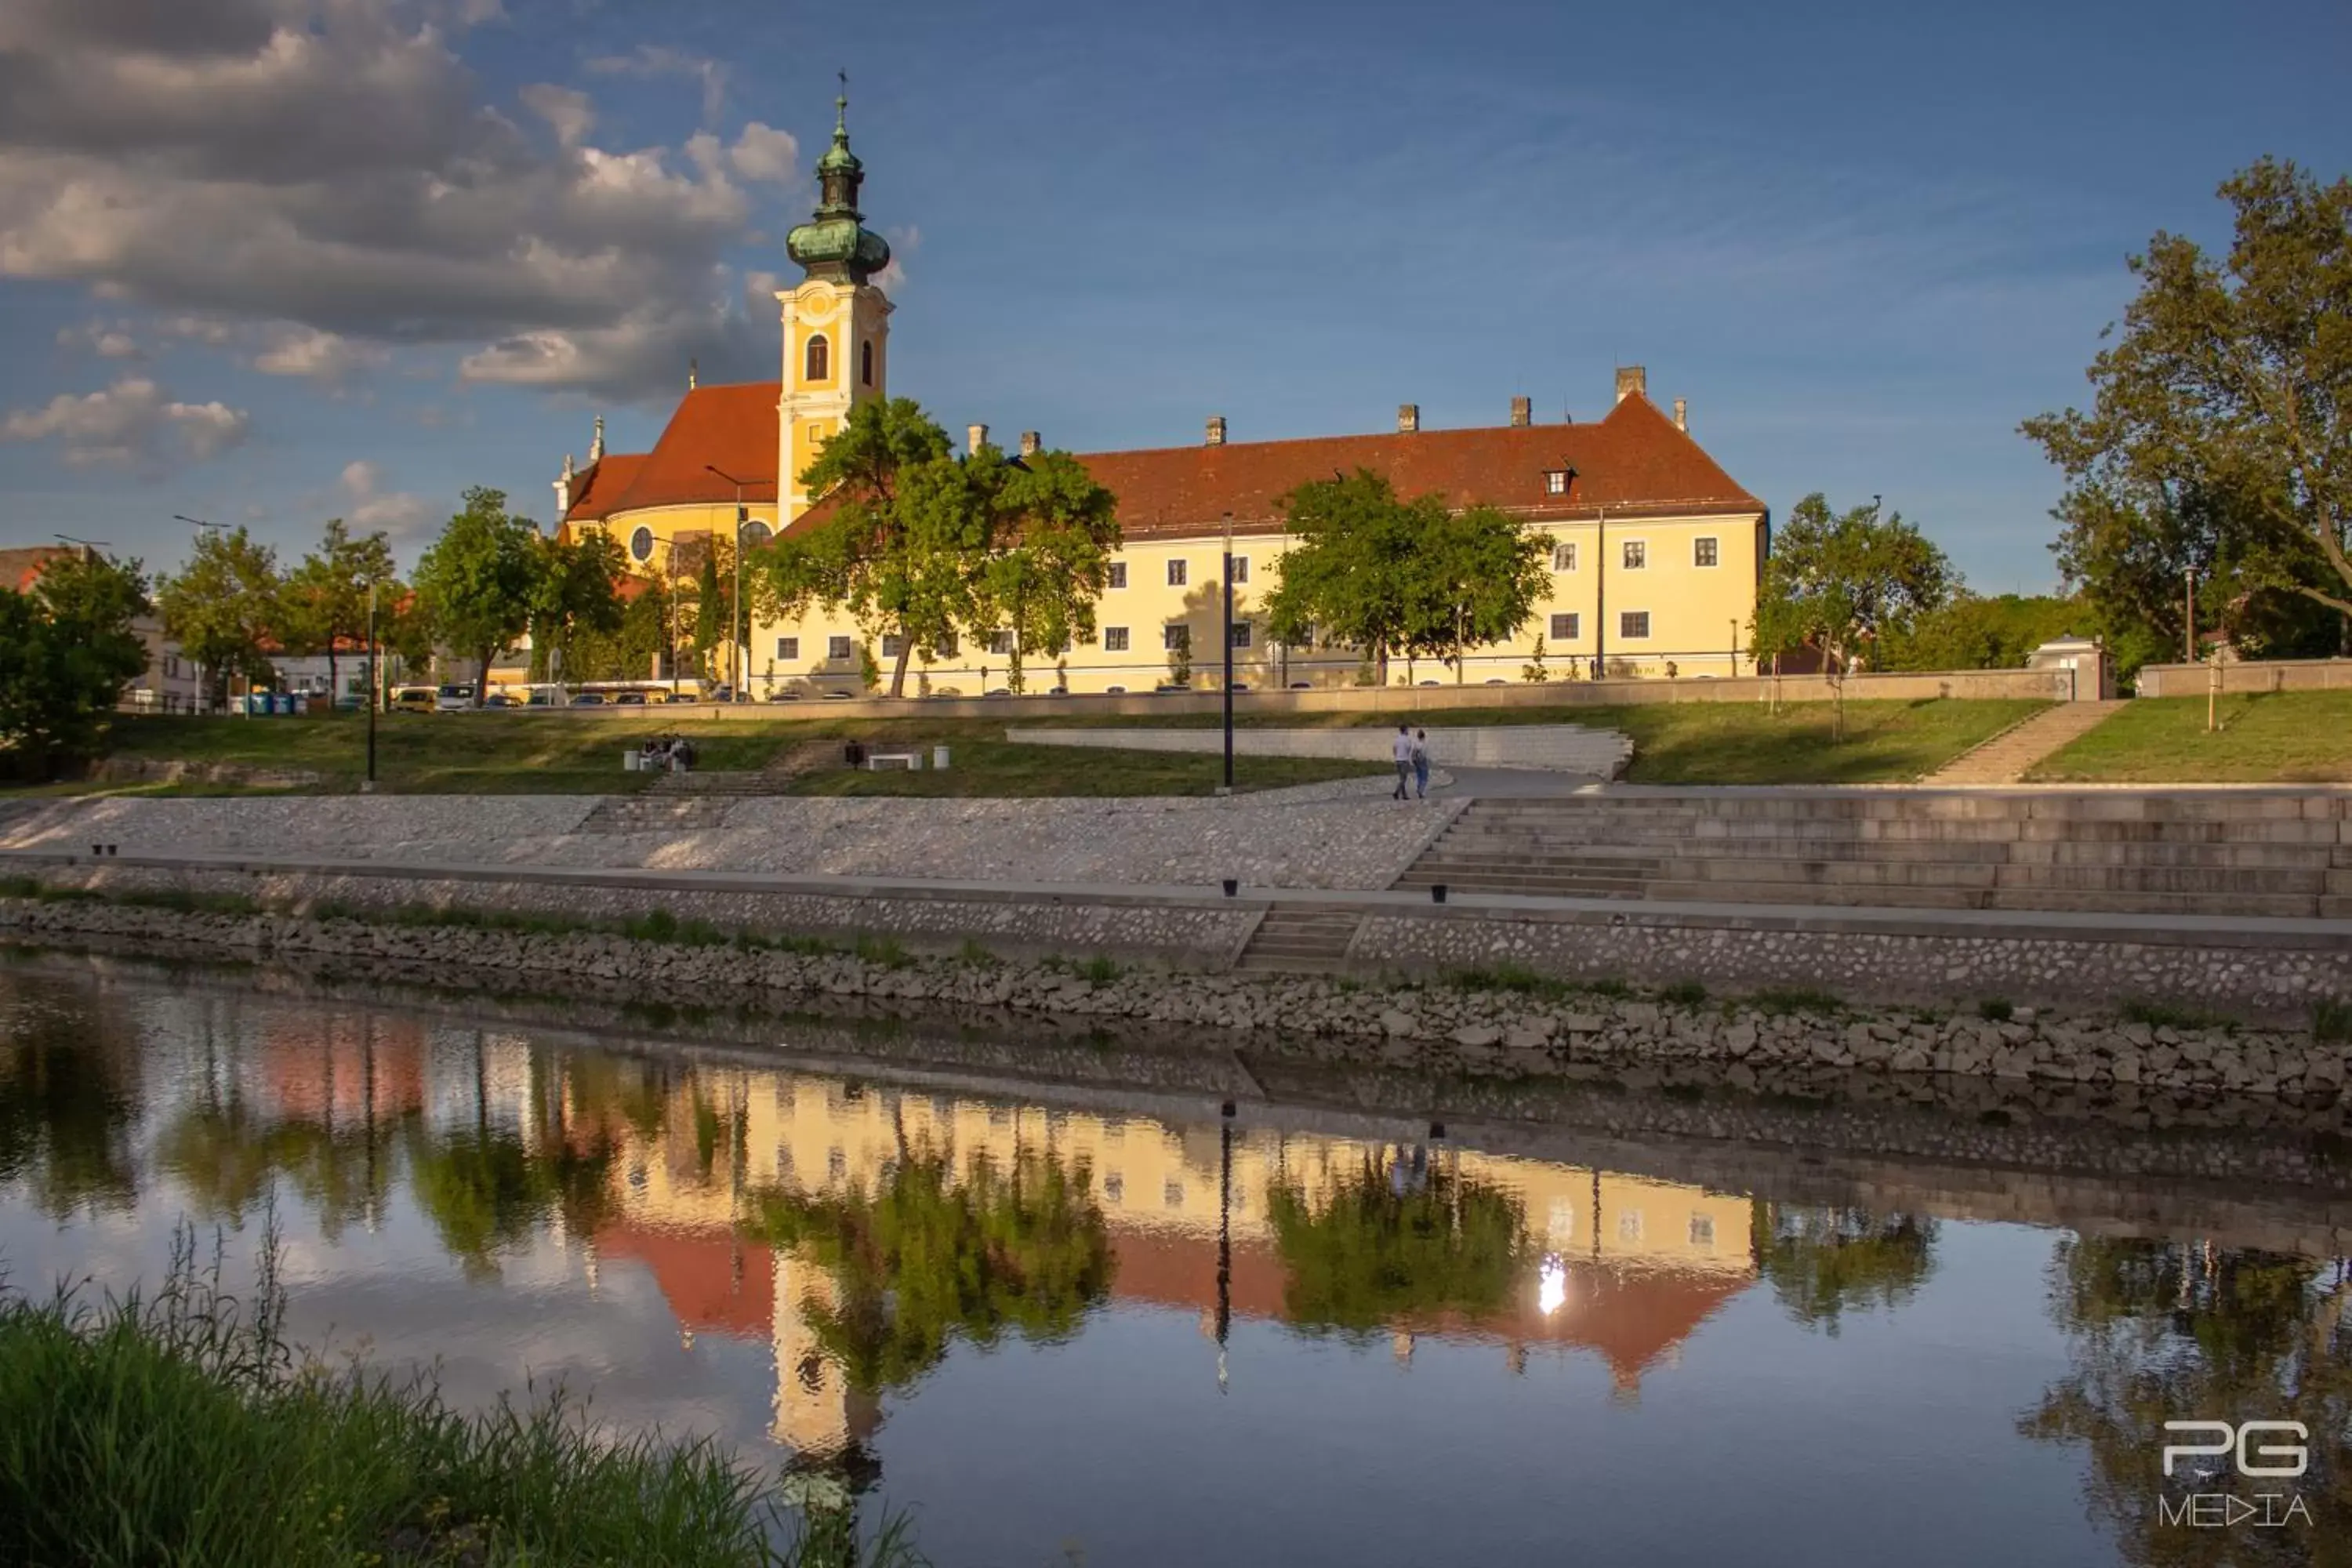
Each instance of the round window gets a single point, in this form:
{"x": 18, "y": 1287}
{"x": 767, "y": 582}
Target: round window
{"x": 756, "y": 534}
{"x": 641, "y": 544}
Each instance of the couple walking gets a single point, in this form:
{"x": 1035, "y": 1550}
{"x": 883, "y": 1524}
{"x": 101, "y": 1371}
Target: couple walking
{"x": 1412, "y": 753}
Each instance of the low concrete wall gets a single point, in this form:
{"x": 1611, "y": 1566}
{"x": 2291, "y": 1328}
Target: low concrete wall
{"x": 2254, "y": 677}
{"x": 1558, "y": 748}
{"x": 2041, "y": 685}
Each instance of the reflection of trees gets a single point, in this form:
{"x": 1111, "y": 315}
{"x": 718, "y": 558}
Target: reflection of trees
{"x": 2162, "y": 1332}
{"x": 1374, "y": 1253}
{"x": 924, "y": 1258}
{"x": 66, "y": 1106}
{"x": 1823, "y": 1261}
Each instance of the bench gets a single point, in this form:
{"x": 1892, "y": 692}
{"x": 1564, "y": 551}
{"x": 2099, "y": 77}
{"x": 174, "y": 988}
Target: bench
{"x": 911, "y": 761}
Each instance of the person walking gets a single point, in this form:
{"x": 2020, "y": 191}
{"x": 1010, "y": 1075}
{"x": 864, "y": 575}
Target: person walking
{"x": 1401, "y": 750}
{"x": 1421, "y": 764}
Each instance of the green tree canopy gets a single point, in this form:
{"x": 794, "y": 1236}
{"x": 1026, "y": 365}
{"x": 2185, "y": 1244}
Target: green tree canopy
{"x": 1824, "y": 1261}
{"x": 1837, "y": 578}
{"x": 925, "y": 546}
{"x": 1969, "y": 632}
{"x": 223, "y": 606}
{"x": 2220, "y": 435}
{"x": 576, "y": 598}
{"x": 1482, "y": 575}
{"x": 66, "y": 650}
{"x": 324, "y": 600}
{"x": 1355, "y": 575}
{"x": 478, "y": 582}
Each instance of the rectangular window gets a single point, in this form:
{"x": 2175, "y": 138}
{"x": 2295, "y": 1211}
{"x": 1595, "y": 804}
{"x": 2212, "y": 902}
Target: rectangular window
{"x": 1555, "y": 482}
{"x": 1702, "y": 1230}
{"x": 1114, "y": 639}
{"x": 1119, "y": 575}
{"x": 1241, "y": 634}
{"x": 1176, "y": 573}
{"x": 1563, "y": 556}
{"x": 946, "y": 646}
{"x": 1240, "y": 568}
{"x": 1637, "y": 555}
{"x": 1704, "y": 553}
{"x": 1000, "y": 641}
{"x": 891, "y": 643}
{"x": 836, "y": 648}
{"x": 1173, "y": 638}
{"x": 1633, "y": 625}
{"x": 788, "y": 647}
{"x": 1564, "y": 627}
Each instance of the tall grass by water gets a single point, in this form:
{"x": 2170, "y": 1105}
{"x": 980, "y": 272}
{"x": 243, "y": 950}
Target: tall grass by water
{"x": 178, "y": 1425}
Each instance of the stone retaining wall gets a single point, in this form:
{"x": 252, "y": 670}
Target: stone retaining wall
{"x": 1556, "y": 748}
{"x": 1432, "y": 1029}
{"x": 2248, "y": 677}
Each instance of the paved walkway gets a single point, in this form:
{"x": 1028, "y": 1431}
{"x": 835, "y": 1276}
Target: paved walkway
{"x": 2007, "y": 757}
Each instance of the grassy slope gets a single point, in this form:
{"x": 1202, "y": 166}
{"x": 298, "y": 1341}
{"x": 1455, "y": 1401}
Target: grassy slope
{"x": 2290, "y": 737}
{"x": 1692, "y": 742}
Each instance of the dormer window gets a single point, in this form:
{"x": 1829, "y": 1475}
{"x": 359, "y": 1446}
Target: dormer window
{"x": 1555, "y": 482}
{"x": 817, "y": 363}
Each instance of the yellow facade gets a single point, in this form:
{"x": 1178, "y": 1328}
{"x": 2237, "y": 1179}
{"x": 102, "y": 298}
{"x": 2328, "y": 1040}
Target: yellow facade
{"x": 836, "y": 344}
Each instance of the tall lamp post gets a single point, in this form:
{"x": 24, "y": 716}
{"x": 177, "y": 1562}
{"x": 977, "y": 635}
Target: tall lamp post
{"x": 203, "y": 694}
{"x": 735, "y": 616}
{"x": 375, "y": 686}
{"x": 1229, "y": 652}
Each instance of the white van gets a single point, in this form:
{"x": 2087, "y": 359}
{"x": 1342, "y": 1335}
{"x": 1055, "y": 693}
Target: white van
{"x": 457, "y": 698}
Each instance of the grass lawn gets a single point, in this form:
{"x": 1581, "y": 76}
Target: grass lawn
{"x": 2287, "y": 737}
{"x": 509, "y": 752}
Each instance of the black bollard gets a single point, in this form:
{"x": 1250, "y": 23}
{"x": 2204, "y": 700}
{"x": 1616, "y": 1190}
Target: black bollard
{"x": 1437, "y": 892}
{"x": 1233, "y": 886}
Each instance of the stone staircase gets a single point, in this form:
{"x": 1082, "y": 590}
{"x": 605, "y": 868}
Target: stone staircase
{"x": 2005, "y": 758}
{"x": 657, "y": 812}
{"x": 1301, "y": 939}
{"x": 2285, "y": 853}
{"x": 712, "y": 786}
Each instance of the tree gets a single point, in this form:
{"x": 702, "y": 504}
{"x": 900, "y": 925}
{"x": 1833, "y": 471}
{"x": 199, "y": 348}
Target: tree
{"x": 1835, "y": 581}
{"x": 923, "y": 546}
{"x": 480, "y": 580}
{"x": 325, "y": 599}
{"x": 1826, "y": 1261}
{"x": 1355, "y": 575}
{"x": 66, "y": 650}
{"x": 1535, "y": 669}
{"x": 577, "y": 597}
{"x": 1378, "y": 1252}
{"x": 1482, "y": 575}
{"x": 222, "y": 606}
{"x": 2225, "y": 404}
{"x": 1972, "y": 633}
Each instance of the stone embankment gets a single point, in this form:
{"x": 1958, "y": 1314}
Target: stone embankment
{"x": 1513, "y": 1032}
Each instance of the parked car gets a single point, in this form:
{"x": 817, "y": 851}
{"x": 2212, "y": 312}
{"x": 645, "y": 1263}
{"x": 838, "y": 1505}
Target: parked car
{"x": 836, "y": 697}
{"x": 1114, "y": 691}
{"x": 588, "y": 700}
{"x": 780, "y": 695}
{"x": 629, "y": 699}
{"x": 499, "y": 699}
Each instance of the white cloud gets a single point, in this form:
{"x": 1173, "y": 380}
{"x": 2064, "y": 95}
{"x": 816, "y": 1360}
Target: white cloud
{"x": 566, "y": 111}
{"x": 319, "y": 356}
{"x": 905, "y": 240}
{"x": 328, "y": 163}
{"x": 369, "y": 506}
{"x": 655, "y": 60}
{"x": 765, "y": 153}
{"x": 131, "y": 424}
{"x": 107, "y": 340}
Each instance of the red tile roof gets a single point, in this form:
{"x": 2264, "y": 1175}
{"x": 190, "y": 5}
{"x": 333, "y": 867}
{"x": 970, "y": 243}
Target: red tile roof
{"x": 1634, "y": 462}
{"x": 21, "y": 568}
{"x": 595, "y": 492}
{"x": 731, "y": 428}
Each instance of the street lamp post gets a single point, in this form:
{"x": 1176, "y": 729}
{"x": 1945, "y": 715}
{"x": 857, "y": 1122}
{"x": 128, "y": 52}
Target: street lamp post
{"x": 375, "y": 686}
{"x": 1229, "y": 652}
{"x": 203, "y": 694}
{"x": 735, "y": 617}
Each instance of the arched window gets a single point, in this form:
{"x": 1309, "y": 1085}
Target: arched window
{"x": 819, "y": 361}
{"x": 865, "y": 361}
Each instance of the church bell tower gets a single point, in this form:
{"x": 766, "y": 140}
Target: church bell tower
{"x": 836, "y": 322}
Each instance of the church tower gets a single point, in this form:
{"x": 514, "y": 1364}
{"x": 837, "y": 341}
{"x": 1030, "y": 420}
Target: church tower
{"x": 836, "y": 322}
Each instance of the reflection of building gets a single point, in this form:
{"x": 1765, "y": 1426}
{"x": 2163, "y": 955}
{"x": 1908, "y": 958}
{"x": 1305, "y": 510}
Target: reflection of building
{"x": 344, "y": 1067}
{"x": 1621, "y": 1266}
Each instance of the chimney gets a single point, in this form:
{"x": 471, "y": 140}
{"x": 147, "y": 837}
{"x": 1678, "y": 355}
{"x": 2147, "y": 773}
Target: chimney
{"x": 1029, "y": 443}
{"x": 1523, "y": 411}
{"x": 1408, "y": 418}
{"x": 1216, "y": 430}
{"x": 975, "y": 436}
{"x": 1633, "y": 380}
{"x": 1682, "y": 413}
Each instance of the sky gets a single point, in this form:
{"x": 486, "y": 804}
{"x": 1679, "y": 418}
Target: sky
{"x": 266, "y": 262}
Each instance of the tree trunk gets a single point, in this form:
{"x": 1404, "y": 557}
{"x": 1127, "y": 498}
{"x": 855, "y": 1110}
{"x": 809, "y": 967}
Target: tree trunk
{"x": 899, "y": 670}
{"x": 333, "y": 690}
{"x": 482, "y": 680}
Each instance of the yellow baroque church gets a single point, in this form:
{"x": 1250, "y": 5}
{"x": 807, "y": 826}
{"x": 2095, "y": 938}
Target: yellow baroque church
{"x": 1655, "y": 552}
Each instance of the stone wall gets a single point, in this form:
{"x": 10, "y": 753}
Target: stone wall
{"x": 2250, "y": 676}
{"x": 1436, "y": 1029}
{"x": 1559, "y": 748}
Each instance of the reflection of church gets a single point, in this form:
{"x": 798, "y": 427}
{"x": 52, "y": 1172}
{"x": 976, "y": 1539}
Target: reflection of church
{"x": 1622, "y": 1268}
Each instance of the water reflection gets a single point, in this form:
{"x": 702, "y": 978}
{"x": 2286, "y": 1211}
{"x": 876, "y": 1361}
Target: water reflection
{"x": 848, "y": 1254}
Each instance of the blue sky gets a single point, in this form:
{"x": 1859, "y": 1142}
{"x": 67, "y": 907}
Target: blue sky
{"x": 270, "y": 261}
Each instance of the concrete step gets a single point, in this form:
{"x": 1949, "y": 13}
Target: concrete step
{"x": 1301, "y": 939}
